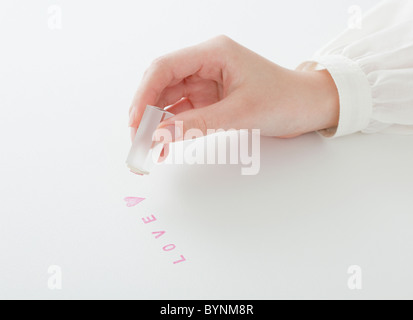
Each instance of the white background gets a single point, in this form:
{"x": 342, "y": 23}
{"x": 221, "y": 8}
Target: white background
{"x": 316, "y": 207}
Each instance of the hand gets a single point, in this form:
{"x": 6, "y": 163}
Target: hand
{"x": 220, "y": 84}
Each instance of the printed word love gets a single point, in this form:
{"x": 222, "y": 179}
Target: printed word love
{"x": 133, "y": 201}
{"x": 159, "y": 234}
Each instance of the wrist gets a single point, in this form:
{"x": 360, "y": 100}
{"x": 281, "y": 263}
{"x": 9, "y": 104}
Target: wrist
{"x": 320, "y": 100}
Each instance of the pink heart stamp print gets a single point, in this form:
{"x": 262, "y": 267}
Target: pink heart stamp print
{"x": 133, "y": 201}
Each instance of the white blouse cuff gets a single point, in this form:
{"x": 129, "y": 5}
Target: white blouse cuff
{"x": 355, "y": 96}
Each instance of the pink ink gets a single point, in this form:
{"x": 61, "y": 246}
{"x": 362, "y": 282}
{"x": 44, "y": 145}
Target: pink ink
{"x": 160, "y": 234}
{"x": 181, "y": 260}
{"x": 169, "y": 247}
{"x": 149, "y": 219}
{"x": 133, "y": 201}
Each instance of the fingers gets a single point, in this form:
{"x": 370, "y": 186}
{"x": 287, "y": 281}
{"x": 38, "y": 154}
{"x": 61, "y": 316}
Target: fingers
{"x": 164, "y": 72}
{"x": 217, "y": 116}
{"x": 171, "y": 95}
{"x": 170, "y": 70}
{"x": 181, "y": 106}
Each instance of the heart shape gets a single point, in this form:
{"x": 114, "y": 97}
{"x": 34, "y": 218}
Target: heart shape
{"x": 133, "y": 201}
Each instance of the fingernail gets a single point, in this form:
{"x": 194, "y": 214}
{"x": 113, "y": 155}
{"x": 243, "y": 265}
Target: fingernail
{"x": 175, "y": 131}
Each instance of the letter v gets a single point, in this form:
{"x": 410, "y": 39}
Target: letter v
{"x": 160, "y": 234}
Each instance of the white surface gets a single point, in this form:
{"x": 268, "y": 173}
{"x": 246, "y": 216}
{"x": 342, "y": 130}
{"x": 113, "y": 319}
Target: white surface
{"x": 316, "y": 208}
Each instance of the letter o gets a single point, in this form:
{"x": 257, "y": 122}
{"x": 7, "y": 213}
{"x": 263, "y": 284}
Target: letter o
{"x": 169, "y": 247}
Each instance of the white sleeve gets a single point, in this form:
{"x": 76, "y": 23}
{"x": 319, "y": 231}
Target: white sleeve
{"x": 373, "y": 71}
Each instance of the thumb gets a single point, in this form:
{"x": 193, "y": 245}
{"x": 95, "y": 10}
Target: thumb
{"x": 198, "y": 122}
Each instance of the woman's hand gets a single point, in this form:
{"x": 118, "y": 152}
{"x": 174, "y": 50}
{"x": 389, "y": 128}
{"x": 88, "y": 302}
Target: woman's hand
{"x": 220, "y": 84}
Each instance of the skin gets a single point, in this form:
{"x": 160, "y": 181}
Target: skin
{"x": 220, "y": 84}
